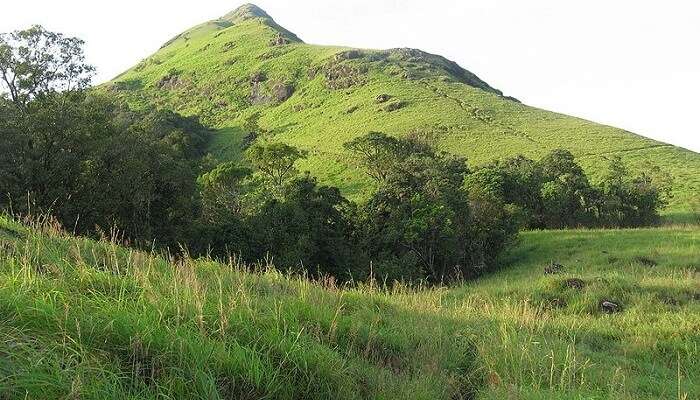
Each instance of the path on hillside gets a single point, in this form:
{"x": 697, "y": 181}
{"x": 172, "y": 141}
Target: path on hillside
{"x": 476, "y": 113}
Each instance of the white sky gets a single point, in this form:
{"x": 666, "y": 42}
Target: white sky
{"x": 634, "y": 64}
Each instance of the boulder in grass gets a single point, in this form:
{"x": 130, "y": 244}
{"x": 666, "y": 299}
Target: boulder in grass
{"x": 557, "y": 303}
{"x": 279, "y": 40}
{"x": 282, "y": 92}
{"x": 258, "y": 77}
{"x": 610, "y": 307}
{"x": 383, "y": 98}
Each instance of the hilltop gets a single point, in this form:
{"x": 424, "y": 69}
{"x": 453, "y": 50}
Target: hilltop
{"x": 319, "y": 97}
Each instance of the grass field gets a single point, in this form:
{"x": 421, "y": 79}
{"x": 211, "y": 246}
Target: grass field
{"x": 92, "y": 320}
{"x": 227, "y": 69}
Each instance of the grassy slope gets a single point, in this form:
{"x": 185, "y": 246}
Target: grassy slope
{"x": 91, "y": 320}
{"x": 214, "y": 62}
{"x": 543, "y": 336}
{"x": 80, "y": 319}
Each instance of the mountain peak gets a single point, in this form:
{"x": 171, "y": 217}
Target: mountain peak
{"x": 244, "y": 12}
{"x": 251, "y": 11}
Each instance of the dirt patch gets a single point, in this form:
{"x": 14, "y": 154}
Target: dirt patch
{"x": 394, "y": 105}
{"x": 645, "y": 261}
{"x": 272, "y": 92}
{"x": 279, "y": 40}
{"x": 172, "y": 81}
{"x": 553, "y": 268}
{"x": 575, "y": 283}
{"x": 282, "y": 91}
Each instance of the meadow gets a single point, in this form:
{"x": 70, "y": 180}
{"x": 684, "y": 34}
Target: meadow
{"x": 90, "y": 319}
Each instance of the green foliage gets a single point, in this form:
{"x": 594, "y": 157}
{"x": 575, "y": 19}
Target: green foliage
{"x": 97, "y": 321}
{"x": 95, "y": 165}
{"x": 555, "y": 192}
{"x": 275, "y": 162}
{"x": 222, "y": 190}
{"x": 630, "y": 200}
{"x": 566, "y": 194}
{"x": 417, "y": 226}
{"x": 84, "y": 158}
{"x": 35, "y": 63}
{"x": 309, "y": 229}
{"x": 463, "y": 114}
{"x": 184, "y": 136}
{"x": 377, "y": 153}
{"x": 419, "y": 219}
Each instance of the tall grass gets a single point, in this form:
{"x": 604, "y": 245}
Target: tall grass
{"x": 86, "y": 319}
{"x": 100, "y": 321}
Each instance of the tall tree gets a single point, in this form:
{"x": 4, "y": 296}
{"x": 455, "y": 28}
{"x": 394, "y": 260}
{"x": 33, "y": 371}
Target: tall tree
{"x": 377, "y": 153}
{"x": 36, "y": 62}
{"x": 275, "y": 162}
{"x": 222, "y": 190}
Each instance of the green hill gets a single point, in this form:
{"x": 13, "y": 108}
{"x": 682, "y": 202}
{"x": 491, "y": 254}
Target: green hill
{"x": 81, "y": 319}
{"x": 319, "y": 97}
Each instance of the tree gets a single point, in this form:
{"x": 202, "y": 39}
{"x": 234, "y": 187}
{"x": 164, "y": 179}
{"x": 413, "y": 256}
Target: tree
{"x": 418, "y": 220}
{"x": 275, "y": 162}
{"x": 493, "y": 227}
{"x": 43, "y": 144}
{"x": 521, "y": 188}
{"x": 186, "y": 136}
{"x": 222, "y": 229}
{"x": 556, "y": 163}
{"x": 222, "y": 190}
{"x": 628, "y": 200}
{"x": 251, "y": 127}
{"x": 49, "y": 143}
{"x": 309, "y": 228}
{"x": 566, "y": 202}
{"x": 377, "y": 153}
{"x": 139, "y": 186}
{"x": 419, "y": 223}
{"x": 567, "y": 198}
{"x": 553, "y": 192}
{"x": 35, "y": 62}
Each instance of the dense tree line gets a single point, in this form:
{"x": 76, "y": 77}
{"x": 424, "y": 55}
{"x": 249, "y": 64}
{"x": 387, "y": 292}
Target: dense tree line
{"x": 419, "y": 224}
{"x": 94, "y": 163}
{"x": 555, "y": 192}
{"x": 83, "y": 157}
